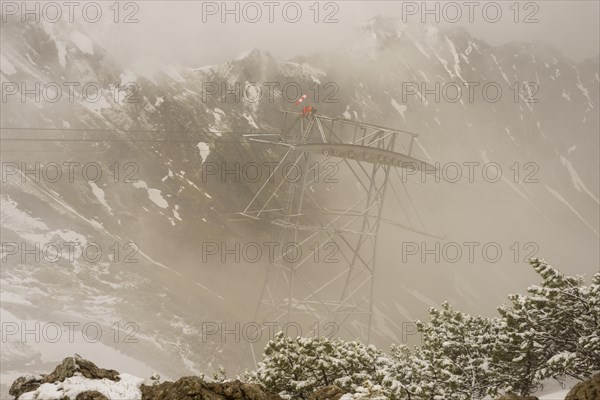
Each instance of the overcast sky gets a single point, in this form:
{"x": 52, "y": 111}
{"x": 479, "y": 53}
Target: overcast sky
{"x": 176, "y": 30}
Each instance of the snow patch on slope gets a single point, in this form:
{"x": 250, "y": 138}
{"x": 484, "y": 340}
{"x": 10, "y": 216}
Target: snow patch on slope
{"x": 83, "y": 43}
{"x": 99, "y": 193}
{"x": 17, "y": 220}
{"x": 250, "y": 120}
{"x": 154, "y": 194}
{"x": 6, "y": 66}
{"x": 204, "y": 150}
{"x": 577, "y": 181}
{"x": 560, "y": 198}
{"x": 127, "y": 76}
{"x": 401, "y": 108}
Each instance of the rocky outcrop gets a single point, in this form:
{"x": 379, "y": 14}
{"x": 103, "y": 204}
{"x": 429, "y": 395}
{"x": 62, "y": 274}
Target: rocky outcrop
{"x": 66, "y": 369}
{"x": 88, "y": 369}
{"x": 586, "y": 390}
{"x": 186, "y": 388}
{"x": 331, "y": 392}
{"x": 195, "y": 388}
{"x": 25, "y": 384}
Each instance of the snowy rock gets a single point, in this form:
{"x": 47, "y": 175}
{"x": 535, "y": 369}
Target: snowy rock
{"x": 68, "y": 368}
{"x": 79, "y": 379}
{"x": 72, "y": 365}
{"x": 25, "y": 384}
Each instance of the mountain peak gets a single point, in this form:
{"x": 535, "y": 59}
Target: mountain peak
{"x": 251, "y": 54}
{"x": 386, "y": 30}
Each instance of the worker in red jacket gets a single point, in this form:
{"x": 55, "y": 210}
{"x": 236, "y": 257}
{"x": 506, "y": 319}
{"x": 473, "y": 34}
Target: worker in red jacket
{"x": 308, "y": 111}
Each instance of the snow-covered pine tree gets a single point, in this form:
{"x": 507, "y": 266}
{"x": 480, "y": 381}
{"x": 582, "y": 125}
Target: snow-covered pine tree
{"x": 570, "y": 323}
{"x": 361, "y": 363}
{"x": 589, "y": 342}
{"x": 518, "y": 355}
{"x": 220, "y": 375}
{"x": 453, "y": 360}
{"x": 296, "y": 367}
{"x": 550, "y": 332}
{"x": 368, "y": 391}
{"x": 401, "y": 377}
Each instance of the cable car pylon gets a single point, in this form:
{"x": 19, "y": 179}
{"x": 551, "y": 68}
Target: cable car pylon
{"x": 326, "y": 211}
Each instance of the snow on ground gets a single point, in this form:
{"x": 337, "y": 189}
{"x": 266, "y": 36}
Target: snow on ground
{"x": 555, "y": 395}
{"x": 127, "y": 388}
{"x": 553, "y": 390}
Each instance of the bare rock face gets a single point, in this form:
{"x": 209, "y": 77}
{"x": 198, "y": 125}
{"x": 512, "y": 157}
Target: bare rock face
{"x": 331, "y": 392}
{"x": 71, "y": 365}
{"x": 587, "y": 390}
{"x": 91, "y": 395}
{"x": 194, "y": 388}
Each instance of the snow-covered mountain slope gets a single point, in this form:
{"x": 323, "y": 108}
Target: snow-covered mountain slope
{"x": 163, "y": 202}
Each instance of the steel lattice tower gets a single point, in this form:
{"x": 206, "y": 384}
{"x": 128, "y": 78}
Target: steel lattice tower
{"x": 326, "y": 213}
